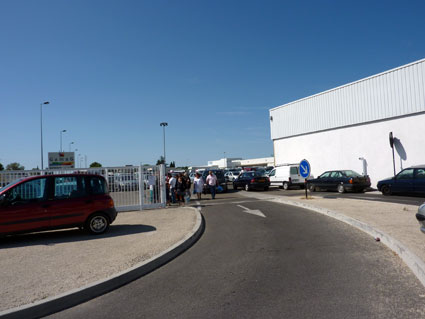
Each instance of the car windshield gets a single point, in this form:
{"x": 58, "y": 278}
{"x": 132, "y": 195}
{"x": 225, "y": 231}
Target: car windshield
{"x": 11, "y": 184}
{"x": 351, "y": 173}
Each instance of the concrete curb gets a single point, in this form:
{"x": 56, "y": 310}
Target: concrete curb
{"x": 80, "y": 295}
{"x": 410, "y": 259}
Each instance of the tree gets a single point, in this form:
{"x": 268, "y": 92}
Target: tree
{"x": 1, "y": 167}
{"x": 160, "y": 161}
{"x": 173, "y": 164}
{"x": 95, "y": 164}
{"x": 14, "y": 167}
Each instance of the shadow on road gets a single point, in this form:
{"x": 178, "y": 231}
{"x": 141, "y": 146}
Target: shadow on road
{"x": 69, "y": 235}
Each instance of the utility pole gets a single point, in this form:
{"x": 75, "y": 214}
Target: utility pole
{"x": 164, "y": 124}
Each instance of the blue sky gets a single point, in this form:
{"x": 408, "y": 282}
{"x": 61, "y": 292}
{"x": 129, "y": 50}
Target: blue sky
{"x": 113, "y": 70}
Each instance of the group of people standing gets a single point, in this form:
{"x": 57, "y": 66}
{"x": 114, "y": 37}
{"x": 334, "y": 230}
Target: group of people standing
{"x": 178, "y": 188}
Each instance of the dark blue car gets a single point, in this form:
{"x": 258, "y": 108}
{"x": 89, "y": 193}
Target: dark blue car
{"x": 252, "y": 180}
{"x": 410, "y": 180}
{"x": 341, "y": 181}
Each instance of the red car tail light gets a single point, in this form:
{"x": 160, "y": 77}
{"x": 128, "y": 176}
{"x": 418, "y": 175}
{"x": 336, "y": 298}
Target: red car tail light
{"x": 253, "y": 180}
{"x": 351, "y": 181}
{"x": 111, "y": 203}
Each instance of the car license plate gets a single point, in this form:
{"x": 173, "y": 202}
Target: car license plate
{"x": 261, "y": 180}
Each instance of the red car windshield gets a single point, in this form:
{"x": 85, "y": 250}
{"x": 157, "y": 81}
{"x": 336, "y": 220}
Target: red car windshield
{"x": 16, "y": 181}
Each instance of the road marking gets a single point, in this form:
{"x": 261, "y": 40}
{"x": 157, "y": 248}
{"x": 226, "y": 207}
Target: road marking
{"x": 216, "y": 203}
{"x": 252, "y": 211}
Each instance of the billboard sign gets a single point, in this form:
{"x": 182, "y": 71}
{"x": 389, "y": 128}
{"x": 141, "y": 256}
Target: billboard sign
{"x": 61, "y": 160}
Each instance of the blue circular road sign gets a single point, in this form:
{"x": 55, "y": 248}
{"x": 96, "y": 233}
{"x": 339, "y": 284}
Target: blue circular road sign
{"x": 304, "y": 168}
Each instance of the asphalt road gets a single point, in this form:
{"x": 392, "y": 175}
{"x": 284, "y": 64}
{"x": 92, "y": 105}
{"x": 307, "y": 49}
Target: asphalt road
{"x": 372, "y": 196}
{"x": 292, "y": 263}
{"x": 132, "y": 198}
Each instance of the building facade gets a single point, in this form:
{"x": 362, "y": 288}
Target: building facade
{"x": 348, "y": 127}
{"x": 262, "y": 161}
{"x": 227, "y": 162}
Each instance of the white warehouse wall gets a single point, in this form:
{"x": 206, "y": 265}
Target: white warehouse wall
{"x": 341, "y": 148}
{"x": 391, "y": 94}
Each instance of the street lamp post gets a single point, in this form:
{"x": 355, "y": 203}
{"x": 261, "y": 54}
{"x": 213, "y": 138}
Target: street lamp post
{"x": 75, "y": 162}
{"x": 41, "y": 130}
{"x": 70, "y": 146}
{"x": 164, "y": 124}
{"x": 63, "y": 131}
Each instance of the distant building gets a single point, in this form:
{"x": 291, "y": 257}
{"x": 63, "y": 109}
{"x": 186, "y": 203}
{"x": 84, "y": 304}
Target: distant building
{"x": 263, "y": 161}
{"x": 348, "y": 127}
{"x": 227, "y": 162}
{"x": 239, "y": 162}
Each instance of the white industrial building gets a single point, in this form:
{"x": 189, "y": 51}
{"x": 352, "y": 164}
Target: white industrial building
{"x": 348, "y": 127}
{"x": 234, "y": 162}
{"x": 227, "y": 162}
{"x": 262, "y": 161}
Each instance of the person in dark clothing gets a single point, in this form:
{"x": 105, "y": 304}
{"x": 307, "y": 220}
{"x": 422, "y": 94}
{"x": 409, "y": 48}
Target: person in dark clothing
{"x": 188, "y": 184}
{"x": 180, "y": 190}
{"x": 167, "y": 189}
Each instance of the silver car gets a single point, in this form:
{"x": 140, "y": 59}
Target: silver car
{"x": 231, "y": 176}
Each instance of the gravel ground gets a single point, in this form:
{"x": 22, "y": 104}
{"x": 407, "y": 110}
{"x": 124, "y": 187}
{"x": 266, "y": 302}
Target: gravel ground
{"x": 40, "y": 265}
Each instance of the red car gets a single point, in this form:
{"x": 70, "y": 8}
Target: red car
{"x": 56, "y": 201}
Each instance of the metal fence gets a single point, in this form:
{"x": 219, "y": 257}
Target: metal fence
{"x": 131, "y": 187}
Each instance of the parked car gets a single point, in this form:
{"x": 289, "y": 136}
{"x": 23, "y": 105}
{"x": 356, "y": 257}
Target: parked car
{"x": 409, "y": 180}
{"x": 220, "y": 179}
{"x": 286, "y": 177}
{"x": 340, "y": 180}
{"x": 56, "y": 201}
{"x": 231, "y": 176}
{"x": 420, "y": 216}
{"x": 252, "y": 180}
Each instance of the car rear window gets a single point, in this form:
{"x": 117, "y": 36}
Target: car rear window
{"x": 350, "y": 173}
{"x": 97, "y": 186}
{"x": 64, "y": 186}
{"x": 293, "y": 170}
{"x": 68, "y": 187}
{"x": 420, "y": 173}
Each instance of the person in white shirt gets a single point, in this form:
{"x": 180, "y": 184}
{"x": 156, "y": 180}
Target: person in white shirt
{"x": 211, "y": 181}
{"x": 198, "y": 185}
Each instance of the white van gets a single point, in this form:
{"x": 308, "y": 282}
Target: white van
{"x": 286, "y": 176}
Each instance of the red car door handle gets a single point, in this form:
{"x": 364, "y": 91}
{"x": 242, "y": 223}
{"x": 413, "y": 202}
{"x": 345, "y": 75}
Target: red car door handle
{"x": 45, "y": 205}
{"x": 89, "y": 201}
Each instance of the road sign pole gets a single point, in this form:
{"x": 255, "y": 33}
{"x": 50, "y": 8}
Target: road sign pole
{"x": 392, "y": 147}
{"x": 304, "y": 170}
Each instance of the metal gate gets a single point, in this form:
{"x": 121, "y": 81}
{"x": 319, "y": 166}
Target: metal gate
{"x": 131, "y": 187}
